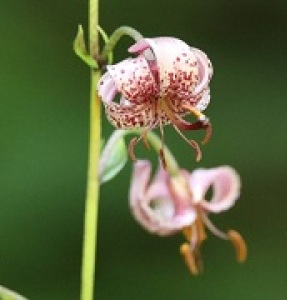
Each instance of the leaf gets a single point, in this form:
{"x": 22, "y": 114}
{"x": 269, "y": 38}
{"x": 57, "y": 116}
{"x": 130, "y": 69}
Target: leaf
{"x": 113, "y": 159}
{"x": 81, "y": 49}
{"x": 6, "y": 294}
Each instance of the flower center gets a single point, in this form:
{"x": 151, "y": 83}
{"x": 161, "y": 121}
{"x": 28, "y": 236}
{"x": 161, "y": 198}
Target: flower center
{"x": 180, "y": 124}
{"x": 163, "y": 208}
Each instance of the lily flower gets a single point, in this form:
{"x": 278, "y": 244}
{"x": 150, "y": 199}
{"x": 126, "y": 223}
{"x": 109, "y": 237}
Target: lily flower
{"x": 168, "y": 204}
{"x": 165, "y": 81}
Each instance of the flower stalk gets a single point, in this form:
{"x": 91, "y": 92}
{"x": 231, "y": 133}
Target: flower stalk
{"x": 151, "y": 139}
{"x": 92, "y": 193}
{"x": 116, "y": 36}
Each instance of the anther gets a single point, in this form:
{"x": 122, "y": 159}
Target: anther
{"x": 199, "y": 115}
{"x": 189, "y": 258}
{"x": 239, "y": 245}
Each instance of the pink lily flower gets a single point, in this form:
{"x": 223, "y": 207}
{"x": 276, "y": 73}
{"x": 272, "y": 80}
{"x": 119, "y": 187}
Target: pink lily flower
{"x": 167, "y": 80}
{"x": 169, "y": 204}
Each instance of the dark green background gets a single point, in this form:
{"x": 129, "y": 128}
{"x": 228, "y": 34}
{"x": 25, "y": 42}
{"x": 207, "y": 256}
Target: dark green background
{"x": 44, "y": 91}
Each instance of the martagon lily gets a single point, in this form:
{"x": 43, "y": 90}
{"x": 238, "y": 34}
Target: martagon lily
{"x": 169, "y": 204}
{"x": 165, "y": 81}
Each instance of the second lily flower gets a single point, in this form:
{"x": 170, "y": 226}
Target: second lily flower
{"x": 169, "y": 204}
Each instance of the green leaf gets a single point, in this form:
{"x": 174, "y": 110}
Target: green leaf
{"x": 113, "y": 159}
{"x": 6, "y": 294}
{"x": 81, "y": 49}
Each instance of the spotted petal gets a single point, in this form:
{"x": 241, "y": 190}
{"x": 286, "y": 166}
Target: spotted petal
{"x": 203, "y": 101}
{"x": 132, "y": 78}
{"x": 205, "y": 71}
{"x": 124, "y": 116}
{"x": 176, "y": 64}
{"x": 225, "y": 183}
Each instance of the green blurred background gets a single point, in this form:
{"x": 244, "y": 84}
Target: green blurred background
{"x": 44, "y": 94}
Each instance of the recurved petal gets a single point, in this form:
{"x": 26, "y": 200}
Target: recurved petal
{"x": 158, "y": 216}
{"x": 167, "y": 208}
{"x": 225, "y": 184}
{"x": 204, "y": 100}
{"x": 177, "y": 66}
{"x": 139, "y": 47}
{"x": 106, "y": 88}
{"x": 147, "y": 213}
{"x": 134, "y": 79}
{"x": 129, "y": 116}
{"x": 159, "y": 185}
{"x": 205, "y": 70}
{"x": 140, "y": 180}
{"x": 154, "y": 207}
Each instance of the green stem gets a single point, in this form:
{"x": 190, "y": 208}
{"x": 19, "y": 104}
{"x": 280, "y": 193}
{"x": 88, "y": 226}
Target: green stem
{"x": 93, "y": 27}
{"x": 154, "y": 140}
{"x": 92, "y": 194}
{"x": 116, "y": 36}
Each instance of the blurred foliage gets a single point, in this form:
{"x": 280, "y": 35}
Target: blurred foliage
{"x": 44, "y": 122}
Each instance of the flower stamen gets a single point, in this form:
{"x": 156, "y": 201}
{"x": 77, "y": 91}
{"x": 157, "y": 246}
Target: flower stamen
{"x": 161, "y": 151}
{"x": 239, "y": 245}
{"x": 212, "y": 228}
{"x": 198, "y": 114}
{"x": 178, "y": 121}
{"x": 233, "y": 236}
{"x": 200, "y": 230}
{"x": 208, "y": 133}
{"x": 189, "y": 258}
{"x": 203, "y": 119}
{"x": 134, "y": 141}
{"x": 195, "y": 234}
{"x": 192, "y": 143}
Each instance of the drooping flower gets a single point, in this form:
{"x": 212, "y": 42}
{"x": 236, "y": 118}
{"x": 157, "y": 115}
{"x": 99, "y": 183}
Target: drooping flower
{"x": 165, "y": 81}
{"x": 169, "y": 204}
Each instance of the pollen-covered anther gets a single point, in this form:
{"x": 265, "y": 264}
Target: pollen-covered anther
{"x": 239, "y": 245}
{"x": 189, "y": 258}
{"x": 201, "y": 117}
